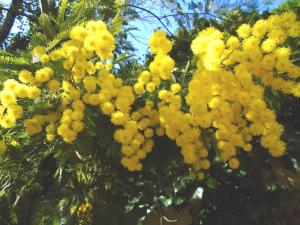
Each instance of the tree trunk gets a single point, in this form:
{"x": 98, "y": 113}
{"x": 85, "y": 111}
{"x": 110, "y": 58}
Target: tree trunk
{"x": 47, "y": 6}
{"x": 12, "y": 12}
{"x": 44, "y": 6}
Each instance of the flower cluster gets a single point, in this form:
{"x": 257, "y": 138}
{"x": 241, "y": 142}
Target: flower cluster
{"x": 136, "y": 136}
{"x": 231, "y": 100}
{"x": 13, "y": 91}
{"x": 225, "y": 95}
{"x": 161, "y": 67}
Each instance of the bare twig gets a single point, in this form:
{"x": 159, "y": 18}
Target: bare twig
{"x": 192, "y": 13}
{"x": 2, "y": 8}
{"x": 169, "y": 220}
{"x": 154, "y": 15}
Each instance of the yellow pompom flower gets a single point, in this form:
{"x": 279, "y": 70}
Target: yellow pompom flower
{"x": 38, "y": 50}
{"x": 26, "y": 77}
{"x": 89, "y": 83}
{"x": 15, "y": 111}
{"x": 7, "y": 98}
{"x": 78, "y": 126}
{"x": 95, "y": 26}
{"x": 44, "y": 58}
{"x": 200, "y": 176}
{"x": 127, "y": 150}
{"x": 3, "y": 147}
{"x": 55, "y": 55}
{"x": 34, "y": 92}
{"x": 78, "y": 33}
{"x": 244, "y": 31}
{"x": 160, "y": 132}
{"x": 90, "y": 43}
{"x": 78, "y": 105}
{"x": 107, "y": 108}
{"x": 43, "y": 75}
{"x": 150, "y": 87}
{"x": 232, "y": 42}
{"x": 21, "y": 91}
{"x": 159, "y": 43}
{"x": 7, "y": 122}
{"x": 144, "y": 77}
{"x": 149, "y": 133}
{"x": 118, "y": 118}
{"x": 176, "y": 88}
{"x": 54, "y": 85}
{"x": 260, "y": 28}
{"x": 77, "y": 115}
{"x": 234, "y": 163}
{"x": 10, "y": 84}
{"x": 205, "y": 164}
{"x": 268, "y": 45}
{"x": 108, "y": 66}
{"x": 138, "y": 88}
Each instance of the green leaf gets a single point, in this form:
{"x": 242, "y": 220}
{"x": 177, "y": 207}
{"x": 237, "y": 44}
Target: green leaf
{"x": 182, "y": 183}
{"x": 117, "y": 22}
{"x": 166, "y": 202}
{"x": 116, "y": 25}
{"x": 62, "y": 155}
{"x": 185, "y": 71}
{"x": 178, "y": 200}
{"x": 58, "y": 38}
{"x": 140, "y": 222}
{"x": 15, "y": 63}
{"x": 212, "y": 183}
{"x": 46, "y": 24}
{"x": 132, "y": 203}
{"x": 273, "y": 99}
{"x": 198, "y": 193}
{"x": 62, "y": 12}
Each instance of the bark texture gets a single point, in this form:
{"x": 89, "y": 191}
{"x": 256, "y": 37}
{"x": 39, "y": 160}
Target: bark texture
{"x": 9, "y": 20}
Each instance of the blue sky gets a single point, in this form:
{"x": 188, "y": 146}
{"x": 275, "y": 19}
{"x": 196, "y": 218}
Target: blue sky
{"x": 145, "y": 27}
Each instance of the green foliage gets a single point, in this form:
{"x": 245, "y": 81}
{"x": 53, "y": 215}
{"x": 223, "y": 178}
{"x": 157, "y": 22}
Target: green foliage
{"x": 287, "y": 5}
{"x": 12, "y": 62}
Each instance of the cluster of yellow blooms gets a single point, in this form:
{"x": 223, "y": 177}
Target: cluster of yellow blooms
{"x": 230, "y": 101}
{"x": 142, "y": 124}
{"x": 161, "y": 67}
{"x": 28, "y": 87}
{"x": 223, "y": 95}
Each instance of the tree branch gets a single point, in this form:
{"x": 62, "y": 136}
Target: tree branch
{"x": 44, "y": 6}
{"x": 47, "y": 6}
{"x": 2, "y": 8}
{"x": 12, "y": 12}
{"x": 195, "y": 13}
{"x": 146, "y": 10}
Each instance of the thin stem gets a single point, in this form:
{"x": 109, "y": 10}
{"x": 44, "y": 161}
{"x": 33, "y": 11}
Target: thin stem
{"x": 192, "y": 13}
{"x": 70, "y": 71}
{"x": 227, "y": 56}
{"x": 295, "y": 60}
{"x": 296, "y": 52}
{"x": 2, "y": 8}
{"x": 154, "y": 15}
{"x": 169, "y": 220}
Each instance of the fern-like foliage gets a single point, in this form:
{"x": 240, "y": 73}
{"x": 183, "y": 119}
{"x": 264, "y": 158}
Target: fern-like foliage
{"x": 11, "y": 62}
{"x": 46, "y": 25}
{"x": 62, "y": 12}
